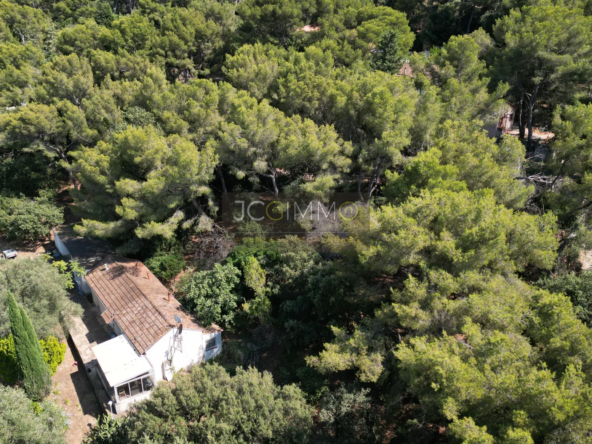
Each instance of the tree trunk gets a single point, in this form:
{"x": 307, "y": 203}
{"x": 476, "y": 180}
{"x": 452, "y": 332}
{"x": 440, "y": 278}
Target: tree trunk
{"x": 360, "y": 176}
{"x": 531, "y": 104}
{"x": 221, "y": 176}
{"x": 272, "y": 175}
{"x": 198, "y": 207}
{"x": 374, "y": 181}
{"x": 63, "y": 156}
{"x": 470, "y": 20}
{"x": 520, "y": 117}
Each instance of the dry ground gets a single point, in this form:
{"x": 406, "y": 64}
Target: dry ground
{"x": 26, "y": 249}
{"x": 73, "y": 392}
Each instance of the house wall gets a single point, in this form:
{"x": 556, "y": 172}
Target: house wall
{"x": 115, "y": 326}
{"x": 59, "y": 244}
{"x": 192, "y": 351}
{"x": 125, "y": 404}
{"x": 82, "y": 284}
{"x": 97, "y": 301}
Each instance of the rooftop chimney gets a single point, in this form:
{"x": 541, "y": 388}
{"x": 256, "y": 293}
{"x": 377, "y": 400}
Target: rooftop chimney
{"x": 106, "y": 267}
{"x": 148, "y": 274}
{"x": 169, "y": 296}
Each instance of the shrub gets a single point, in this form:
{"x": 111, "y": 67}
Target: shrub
{"x": 53, "y": 355}
{"x": 208, "y": 405}
{"x": 28, "y": 220}
{"x": 578, "y": 287}
{"x": 211, "y": 294}
{"x": 53, "y": 352}
{"x": 166, "y": 266}
{"x": 42, "y": 290}
{"x": 8, "y": 363}
{"x": 29, "y": 422}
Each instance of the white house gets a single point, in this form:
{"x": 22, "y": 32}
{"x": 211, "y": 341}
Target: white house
{"x": 153, "y": 336}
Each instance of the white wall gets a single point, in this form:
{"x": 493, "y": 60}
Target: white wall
{"x": 192, "y": 351}
{"x": 124, "y": 405}
{"x": 214, "y": 352}
{"x": 82, "y": 283}
{"x": 97, "y": 301}
{"x": 59, "y": 244}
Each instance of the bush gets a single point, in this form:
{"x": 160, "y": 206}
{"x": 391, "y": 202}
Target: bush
{"x": 29, "y": 422}
{"x": 578, "y": 287}
{"x": 8, "y": 364}
{"x": 53, "y": 352}
{"x": 42, "y": 290}
{"x": 53, "y": 355}
{"x": 166, "y": 266}
{"x": 208, "y": 405}
{"x": 108, "y": 431}
{"x": 25, "y": 219}
{"x": 211, "y": 294}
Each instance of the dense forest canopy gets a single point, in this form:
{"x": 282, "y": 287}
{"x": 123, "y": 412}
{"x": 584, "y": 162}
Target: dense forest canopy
{"x": 458, "y": 310}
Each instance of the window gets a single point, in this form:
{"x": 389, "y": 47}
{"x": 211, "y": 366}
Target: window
{"x": 134, "y": 387}
{"x": 147, "y": 383}
{"x": 211, "y": 344}
{"x": 123, "y": 391}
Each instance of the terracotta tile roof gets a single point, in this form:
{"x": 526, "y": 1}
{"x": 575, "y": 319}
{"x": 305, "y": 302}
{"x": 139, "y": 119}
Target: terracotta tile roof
{"x": 136, "y": 300}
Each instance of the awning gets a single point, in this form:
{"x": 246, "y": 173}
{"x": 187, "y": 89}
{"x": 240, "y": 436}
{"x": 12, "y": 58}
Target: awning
{"x": 119, "y": 361}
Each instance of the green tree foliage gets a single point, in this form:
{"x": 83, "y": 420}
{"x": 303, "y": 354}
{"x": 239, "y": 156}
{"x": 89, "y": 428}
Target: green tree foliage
{"x": 43, "y": 135}
{"x": 459, "y": 70}
{"x": 457, "y": 231}
{"x": 556, "y": 41}
{"x": 32, "y": 368}
{"x": 463, "y": 156}
{"x": 254, "y": 278}
{"x": 351, "y": 29}
{"x": 569, "y": 167}
{"x": 107, "y": 431}
{"x": 208, "y": 403}
{"x": 344, "y": 415}
{"x": 258, "y": 140}
{"x": 348, "y": 29}
{"x": 389, "y": 55}
{"x": 211, "y": 295}
{"x": 9, "y": 370}
{"x": 41, "y": 290}
{"x": 28, "y": 220}
{"x": 144, "y": 179}
{"x": 23, "y": 421}
{"x": 166, "y": 266}
{"x": 578, "y": 287}
{"x": 53, "y": 355}
{"x": 53, "y": 352}
{"x": 153, "y": 112}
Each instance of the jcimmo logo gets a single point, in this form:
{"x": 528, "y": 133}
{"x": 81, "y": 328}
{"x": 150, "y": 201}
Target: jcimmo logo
{"x": 288, "y": 214}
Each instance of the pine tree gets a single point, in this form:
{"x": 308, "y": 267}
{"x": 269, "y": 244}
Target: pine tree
{"x": 390, "y": 55}
{"x": 33, "y": 369}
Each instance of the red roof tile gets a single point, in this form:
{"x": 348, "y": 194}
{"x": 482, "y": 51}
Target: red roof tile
{"x": 136, "y": 300}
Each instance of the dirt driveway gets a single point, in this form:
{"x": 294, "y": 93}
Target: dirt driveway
{"x": 28, "y": 249}
{"x": 72, "y": 392}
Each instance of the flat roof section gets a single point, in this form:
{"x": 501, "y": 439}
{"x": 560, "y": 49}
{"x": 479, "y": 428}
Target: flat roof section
{"x": 119, "y": 361}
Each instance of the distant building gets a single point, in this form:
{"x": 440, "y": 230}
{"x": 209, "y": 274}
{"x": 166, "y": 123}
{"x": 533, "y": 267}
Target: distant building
{"x": 406, "y": 70}
{"x": 309, "y": 28}
{"x": 504, "y": 124}
{"x": 506, "y": 121}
